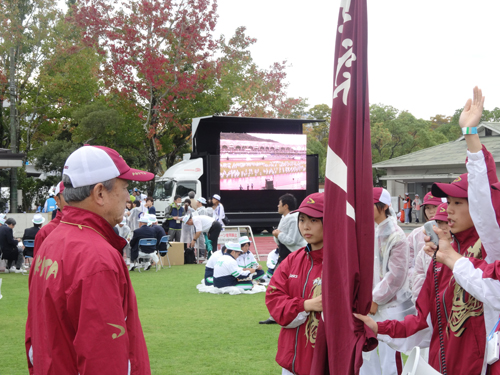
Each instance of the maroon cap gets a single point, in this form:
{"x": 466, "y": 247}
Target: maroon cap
{"x": 313, "y": 205}
{"x": 381, "y": 195}
{"x": 457, "y": 189}
{"x": 441, "y": 212}
{"x": 431, "y": 199}
{"x": 496, "y": 185}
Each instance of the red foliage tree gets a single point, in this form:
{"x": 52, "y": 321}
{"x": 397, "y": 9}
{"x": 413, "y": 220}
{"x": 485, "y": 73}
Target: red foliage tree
{"x": 159, "y": 53}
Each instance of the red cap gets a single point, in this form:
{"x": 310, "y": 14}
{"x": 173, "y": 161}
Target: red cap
{"x": 313, "y": 205}
{"x": 381, "y": 195}
{"x": 457, "y": 188}
{"x": 441, "y": 212}
{"x": 431, "y": 199}
{"x": 496, "y": 185}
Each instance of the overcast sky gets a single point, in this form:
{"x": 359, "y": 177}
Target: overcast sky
{"x": 424, "y": 57}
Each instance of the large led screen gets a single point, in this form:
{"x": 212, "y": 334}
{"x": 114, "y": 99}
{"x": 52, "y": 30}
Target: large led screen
{"x": 261, "y": 161}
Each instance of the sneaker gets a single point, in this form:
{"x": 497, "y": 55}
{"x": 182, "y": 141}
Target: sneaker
{"x": 12, "y": 269}
{"x": 26, "y": 266}
{"x": 6, "y": 270}
{"x": 18, "y": 270}
{"x": 147, "y": 266}
{"x": 268, "y": 321}
{"x": 132, "y": 267}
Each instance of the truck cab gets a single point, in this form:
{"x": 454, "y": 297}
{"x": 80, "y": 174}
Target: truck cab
{"x": 179, "y": 179}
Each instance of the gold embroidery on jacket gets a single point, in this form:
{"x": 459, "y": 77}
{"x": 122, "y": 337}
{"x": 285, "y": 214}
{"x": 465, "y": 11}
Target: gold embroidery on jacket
{"x": 464, "y": 305}
{"x": 312, "y": 320}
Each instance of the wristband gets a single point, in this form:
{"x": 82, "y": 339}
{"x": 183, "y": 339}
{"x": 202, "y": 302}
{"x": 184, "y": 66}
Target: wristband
{"x": 466, "y": 131}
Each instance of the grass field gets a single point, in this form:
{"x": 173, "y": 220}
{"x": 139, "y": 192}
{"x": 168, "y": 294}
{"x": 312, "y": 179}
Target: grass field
{"x": 186, "y": 332}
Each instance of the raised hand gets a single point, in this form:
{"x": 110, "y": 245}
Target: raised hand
{"x": 471, "y": 114}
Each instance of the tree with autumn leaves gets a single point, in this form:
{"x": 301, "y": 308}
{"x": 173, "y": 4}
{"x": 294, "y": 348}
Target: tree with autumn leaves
{"x": 161, "y": 58}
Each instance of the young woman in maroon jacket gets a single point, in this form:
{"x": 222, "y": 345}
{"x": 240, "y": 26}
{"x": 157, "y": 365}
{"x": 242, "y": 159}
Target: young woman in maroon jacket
{"x": 456, "y": 330}
{"x": 293, "y": 296}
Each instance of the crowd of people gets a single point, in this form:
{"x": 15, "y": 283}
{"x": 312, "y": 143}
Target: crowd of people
{"x": 443, "y": 295}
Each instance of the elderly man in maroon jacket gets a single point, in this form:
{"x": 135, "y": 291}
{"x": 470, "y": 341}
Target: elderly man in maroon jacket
{"x": 82, "y": 309}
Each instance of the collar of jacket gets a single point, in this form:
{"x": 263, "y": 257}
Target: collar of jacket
{"x": 87, "y": 220}
{"x": 316, "y": 255}
{"x": 467, "y": 238}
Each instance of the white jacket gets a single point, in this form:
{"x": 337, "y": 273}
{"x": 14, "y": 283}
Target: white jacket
{"x": 390, "y": 281}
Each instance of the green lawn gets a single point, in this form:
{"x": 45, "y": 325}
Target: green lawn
{"x": 186, "y": 332}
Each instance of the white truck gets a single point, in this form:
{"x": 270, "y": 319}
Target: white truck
{"x": 179, "y": 179}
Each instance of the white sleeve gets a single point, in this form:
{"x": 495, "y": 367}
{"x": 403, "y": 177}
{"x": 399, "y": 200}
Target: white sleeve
{"x": 486, "y": 290}
{"x": 481, "y": 207}
{"x": 396, "y": 275}
{"x": 299, "y": 319}
{"x": 422, "y": 262}
{"x": 288, "y": 234}
{"x": 421, "y": 338}
{"x": 236, "y": 271}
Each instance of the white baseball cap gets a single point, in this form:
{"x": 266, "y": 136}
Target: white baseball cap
{"x": 234, "y": 246}
{"x": 90, "y": 165}
{"x": 243, "y": 240}
{"x": 38, "y": 219}
{"x": 152, "y": 218}
{"x": 186, "y": 218}
{"x": 202, "y": 200}
{"x": 2, "y": 220}
{"x": 216, "y": 196}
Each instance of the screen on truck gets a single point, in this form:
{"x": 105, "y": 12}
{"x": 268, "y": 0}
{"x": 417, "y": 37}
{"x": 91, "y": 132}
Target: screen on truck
{"x": 261, "y": 161}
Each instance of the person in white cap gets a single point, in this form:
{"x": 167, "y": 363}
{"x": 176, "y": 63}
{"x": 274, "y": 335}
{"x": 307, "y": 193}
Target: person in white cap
{"x": 160, "y": 232}
{"x": 219, "y": 213}
{"x": 145, "y": 230}
{"x": 228, "y": 273}
{"x": 125, "y": 233}
{"x": 204, "y": 224}
{"x": 247, "y": 260}
{"x": 50, "y": 204}
{"x": 391, "y": 293}
{"x": 209, "y": 268}
{"x": 82, "y": 310}
{"x": 200, "y": 206}
{"x": 30, "y": 233}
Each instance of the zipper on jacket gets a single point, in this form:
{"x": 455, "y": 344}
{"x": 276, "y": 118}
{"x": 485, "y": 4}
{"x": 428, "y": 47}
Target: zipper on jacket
{"x": 303, "y": 296}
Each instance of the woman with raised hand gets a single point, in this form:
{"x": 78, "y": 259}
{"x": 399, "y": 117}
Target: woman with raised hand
{"x": 454, "y": 312}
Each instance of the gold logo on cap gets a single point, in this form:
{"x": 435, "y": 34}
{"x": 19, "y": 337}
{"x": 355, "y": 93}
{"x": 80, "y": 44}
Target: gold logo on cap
{"x": 136, "y": 173}
{"x": 458, "y": 179}
{"x": 442, "y": 209}
{"x": 430, "y": 196}
{"x": 311, "y": 201}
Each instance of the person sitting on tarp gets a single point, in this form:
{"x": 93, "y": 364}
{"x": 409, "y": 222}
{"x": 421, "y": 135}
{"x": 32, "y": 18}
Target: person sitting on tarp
{"x": 228, "y": 273}
{"x": 272, "y": 261}
{"x": 247, "y": 261}
{"x": 209, "y": 268}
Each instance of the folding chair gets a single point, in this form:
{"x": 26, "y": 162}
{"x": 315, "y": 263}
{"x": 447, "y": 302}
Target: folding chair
{"x": 143, "y": 255}
{"x": 164, "y": 240}
{"x": 29, "y": 245}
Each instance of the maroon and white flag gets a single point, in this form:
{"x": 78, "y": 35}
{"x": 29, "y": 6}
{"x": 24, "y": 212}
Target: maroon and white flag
{"x": 348, "y": 223}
